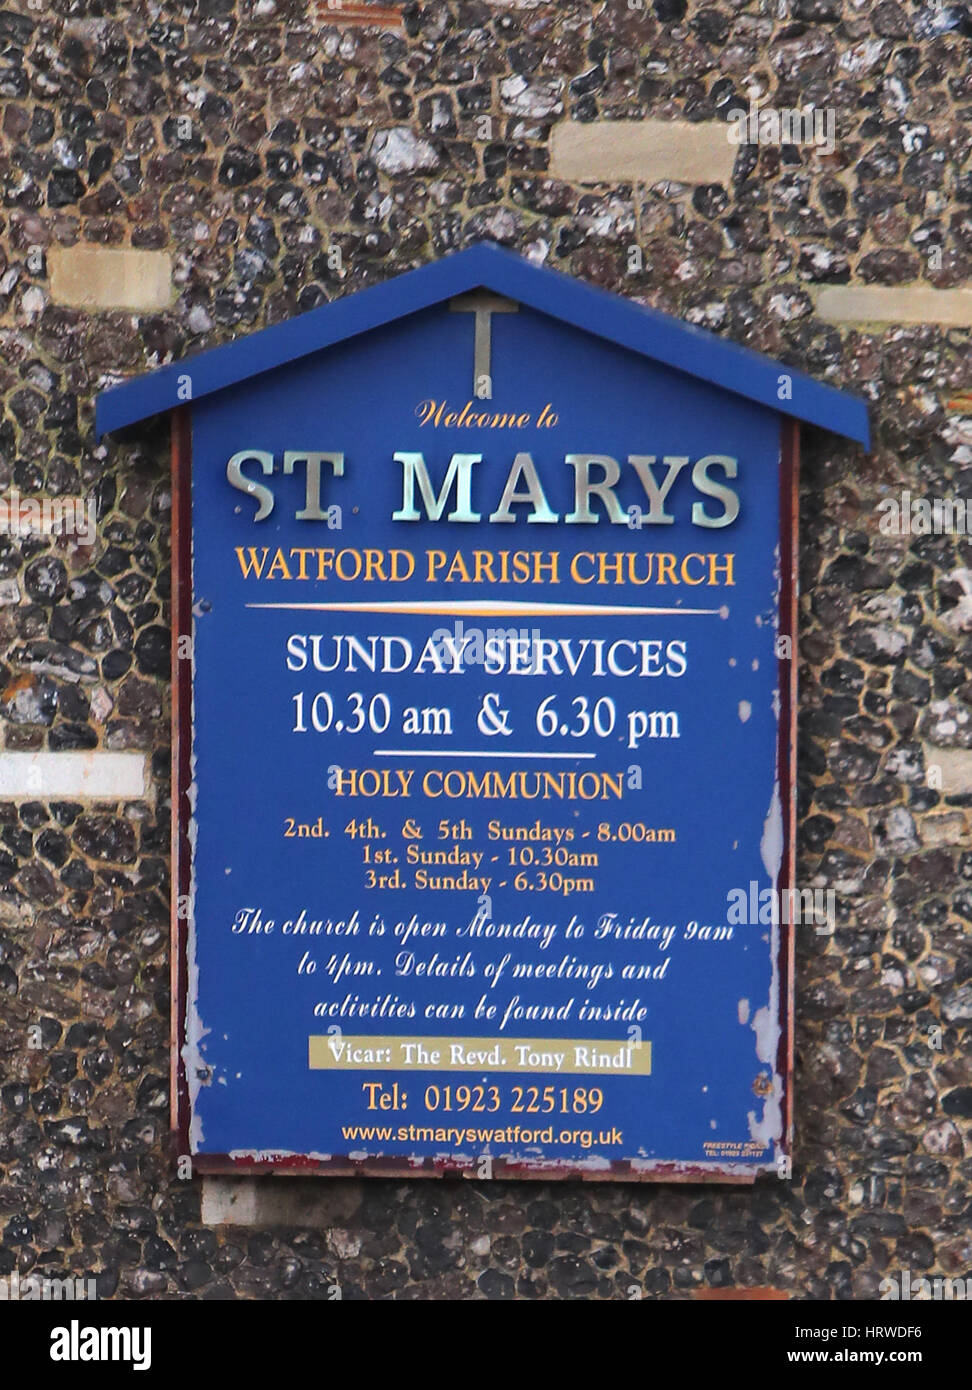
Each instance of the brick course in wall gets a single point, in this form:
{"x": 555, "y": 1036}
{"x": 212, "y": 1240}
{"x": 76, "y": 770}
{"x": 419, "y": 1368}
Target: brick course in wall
{"x": 175, "y": 176}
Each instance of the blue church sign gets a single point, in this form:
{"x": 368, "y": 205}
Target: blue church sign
{"x": 484, "y": 689}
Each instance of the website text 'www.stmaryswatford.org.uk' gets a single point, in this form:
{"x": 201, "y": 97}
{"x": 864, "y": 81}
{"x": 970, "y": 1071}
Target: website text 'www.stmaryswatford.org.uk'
{"x": 508, "y": 1134}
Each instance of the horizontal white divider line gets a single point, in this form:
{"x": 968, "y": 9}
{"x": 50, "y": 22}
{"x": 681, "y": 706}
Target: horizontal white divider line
{"x": 70, "y": 774}
{"x": 486, "y": 753}
{"x": 484, "y": 608}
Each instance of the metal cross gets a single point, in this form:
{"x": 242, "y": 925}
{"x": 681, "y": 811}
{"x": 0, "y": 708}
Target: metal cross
{"x": 483, "y": 305}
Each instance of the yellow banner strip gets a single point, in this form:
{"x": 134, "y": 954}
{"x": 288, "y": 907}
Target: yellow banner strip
{"x": 549, "y": 1057}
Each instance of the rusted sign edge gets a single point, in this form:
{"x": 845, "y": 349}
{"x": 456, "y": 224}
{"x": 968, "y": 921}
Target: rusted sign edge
{"x": 616, "y": 1170}
{"x": 789, "y": 693}
{"x": 181, "y": 717}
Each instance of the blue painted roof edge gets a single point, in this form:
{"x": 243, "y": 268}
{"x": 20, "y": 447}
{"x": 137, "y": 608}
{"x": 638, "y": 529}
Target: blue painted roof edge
{"x": 655, "y": 335}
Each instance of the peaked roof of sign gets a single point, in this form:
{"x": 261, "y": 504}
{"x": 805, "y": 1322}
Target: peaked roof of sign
{"x": 653, "y": 334}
